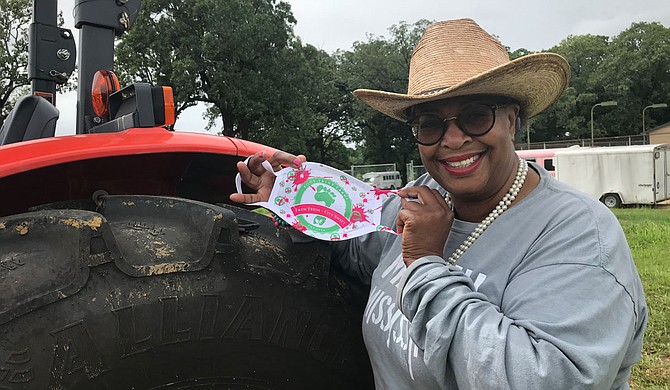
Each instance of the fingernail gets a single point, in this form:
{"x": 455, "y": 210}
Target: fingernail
{"x": 297, "y": 162}
{"x": 261, "y": 154}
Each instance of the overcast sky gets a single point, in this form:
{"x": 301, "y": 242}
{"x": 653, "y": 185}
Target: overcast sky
{"x": 531, "y": 24}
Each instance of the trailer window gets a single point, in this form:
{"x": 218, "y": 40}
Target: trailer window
{"x": 549, "y": 164}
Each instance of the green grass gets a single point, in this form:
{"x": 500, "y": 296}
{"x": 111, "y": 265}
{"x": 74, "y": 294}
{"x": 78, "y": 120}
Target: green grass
{"x": 648, "y": 234}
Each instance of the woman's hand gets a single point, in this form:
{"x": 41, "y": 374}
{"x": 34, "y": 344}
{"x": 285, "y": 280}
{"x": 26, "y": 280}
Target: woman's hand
{"x": 424, "y": 222}
{"x": 255, "y": 176}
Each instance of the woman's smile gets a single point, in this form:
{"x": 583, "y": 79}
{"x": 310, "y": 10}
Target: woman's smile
{"x": 461, "y": 165}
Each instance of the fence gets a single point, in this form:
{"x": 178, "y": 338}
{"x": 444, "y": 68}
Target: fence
{"x": 604, "y": 141}
{"x": 358, "y": 171}
{"x": 414, "y": 171}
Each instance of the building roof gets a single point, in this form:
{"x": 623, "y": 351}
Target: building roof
{"x": 664, "y": 126}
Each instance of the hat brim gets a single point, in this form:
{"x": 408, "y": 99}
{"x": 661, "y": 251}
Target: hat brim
{"x": 536, "y": 81}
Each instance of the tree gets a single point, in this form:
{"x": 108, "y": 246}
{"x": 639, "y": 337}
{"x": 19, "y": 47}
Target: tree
{"x": 630, "y": 68}
{"x": 225, "y": 53}
{"x": 310, "y": 117}
{"x": 636, "y": 74}
{"x": 255, "y": 75}
{"x": 569, "y": 117}
{"x": 518, "y": 53}
{"x": 382, "y": 64}
{"x": 14, "y": 20}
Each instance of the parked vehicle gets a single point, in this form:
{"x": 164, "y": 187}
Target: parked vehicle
{"x": 618, "y": 175}
{"x": 122, "y": 263}
{"x": 383, "y": 180}
{"x": 543, "y": 157}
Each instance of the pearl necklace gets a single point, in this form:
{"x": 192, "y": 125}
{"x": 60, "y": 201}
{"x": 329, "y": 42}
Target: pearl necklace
{"x": 500, "y": 208}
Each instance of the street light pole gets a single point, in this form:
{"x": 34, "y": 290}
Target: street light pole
{"x": 603, "y": 104}
{"x": 644, "y": 129}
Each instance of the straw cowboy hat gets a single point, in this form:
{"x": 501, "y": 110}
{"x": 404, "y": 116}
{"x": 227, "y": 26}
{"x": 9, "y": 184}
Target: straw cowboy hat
{"x": 457, "y": 57}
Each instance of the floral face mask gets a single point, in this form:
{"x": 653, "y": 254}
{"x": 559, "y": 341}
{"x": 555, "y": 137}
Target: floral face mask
{"x": 325, "y": 203}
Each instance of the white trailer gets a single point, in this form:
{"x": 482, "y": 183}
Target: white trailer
{"x": 618, "y": 175}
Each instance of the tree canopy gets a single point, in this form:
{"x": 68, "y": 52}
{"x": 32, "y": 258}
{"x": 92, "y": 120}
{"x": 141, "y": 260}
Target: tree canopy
{"x": 630, "y": 68}
{"x": 242, "y": 59}
{"x": 230, "y": 54}
{"x": 382, "y": 64}
{"x": 311, "y": 97}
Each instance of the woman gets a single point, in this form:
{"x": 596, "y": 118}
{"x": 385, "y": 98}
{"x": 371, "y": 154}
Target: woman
{"x": 502, "y": 278}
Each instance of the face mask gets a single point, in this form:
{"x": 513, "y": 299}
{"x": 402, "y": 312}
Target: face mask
{"x": 325, "y": 203}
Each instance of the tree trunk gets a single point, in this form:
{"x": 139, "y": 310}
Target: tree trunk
{"x": 228, "y": 122}
{"x": 243, "y": 127}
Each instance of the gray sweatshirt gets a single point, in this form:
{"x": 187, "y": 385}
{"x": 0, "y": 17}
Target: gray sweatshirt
{"x": 547, "y": 298}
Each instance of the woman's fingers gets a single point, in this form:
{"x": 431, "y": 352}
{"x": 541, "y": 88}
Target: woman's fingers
{"x": 249, "y": 178}
{"x": 281, "y": 158}
{"x": 245, "y": 198}
{"x": 422, "y": 195}
{"x": 257, "y": 177}
{"x": 424, "y": 222}
{"x": 255, "y": 164}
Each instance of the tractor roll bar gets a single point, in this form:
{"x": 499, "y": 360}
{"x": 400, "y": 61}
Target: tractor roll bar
{"x": 52, "y": 50}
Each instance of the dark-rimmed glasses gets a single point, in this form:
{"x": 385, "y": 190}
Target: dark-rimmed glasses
{"x": 475, "y": 119}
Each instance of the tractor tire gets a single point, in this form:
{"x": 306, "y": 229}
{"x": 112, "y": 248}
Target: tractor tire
{"x": 142, "y": 292}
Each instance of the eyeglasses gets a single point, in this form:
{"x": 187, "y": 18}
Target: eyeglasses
{"x": 475, "y": 119}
